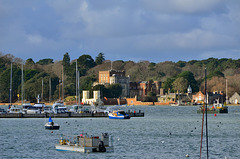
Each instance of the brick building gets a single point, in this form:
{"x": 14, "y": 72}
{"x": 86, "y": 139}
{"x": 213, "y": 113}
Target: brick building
{"x": 112, "y": 77}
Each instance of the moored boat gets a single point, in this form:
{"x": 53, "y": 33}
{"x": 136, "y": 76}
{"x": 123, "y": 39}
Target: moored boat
{"x": 58, "y": 107}
{"x": 85, "y": 143}
{"x": 118, "y": 114}
{"x": 51, "y": 125}
{"x": 15, "y": 110}
{"x": 2, "y": 111}
{"x": 216, "y": 108}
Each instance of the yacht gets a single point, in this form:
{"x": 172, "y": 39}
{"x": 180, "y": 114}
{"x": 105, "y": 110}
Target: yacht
{"x": 58, "y": 107}
{"x": 15, "y": 110}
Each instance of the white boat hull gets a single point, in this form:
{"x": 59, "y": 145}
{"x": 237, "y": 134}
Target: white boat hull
{"x": 81, "y": 149}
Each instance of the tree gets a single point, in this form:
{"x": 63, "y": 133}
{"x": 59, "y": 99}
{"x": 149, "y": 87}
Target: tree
{"x": 181, "y": 63}
{"x": 190, "y": 80}
{"x": 215, "y": 74}
{"x": 168, "y": 83}
{"x": 30, "y": 62}
{"x": 66, "y": 62}
{"x": 86, "y": 62}
{"x": 180, "y": 84}
{"x": 45, "y": 61}
{"x": 115, "y": 90}
{"x": 152, "y": 66}
{"x": 99, "y": 59}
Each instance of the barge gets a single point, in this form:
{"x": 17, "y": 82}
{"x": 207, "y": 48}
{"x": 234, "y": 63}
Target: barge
{"x": 85, "y": 143}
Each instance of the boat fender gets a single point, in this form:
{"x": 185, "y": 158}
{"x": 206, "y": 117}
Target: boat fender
{"x": 101, "y": 147}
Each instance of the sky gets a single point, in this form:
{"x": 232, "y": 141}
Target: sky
{"x": 136, "y": 30}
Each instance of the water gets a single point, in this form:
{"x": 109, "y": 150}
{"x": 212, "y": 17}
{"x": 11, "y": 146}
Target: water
{"x": 165, "y": 132}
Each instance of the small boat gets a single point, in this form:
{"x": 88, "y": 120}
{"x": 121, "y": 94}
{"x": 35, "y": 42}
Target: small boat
{"x": 58, "y": 108}
{"x": 32, "y": 110}
{"x": 51, "y": 125}
{"x": 216, "y": 108}
{"x": 2, "y": 111}
{"x": 15, "y": 110}
{"x": 85, "y": 143}
{"x": 25, "y": 106}
{"x": 118, "y": 114}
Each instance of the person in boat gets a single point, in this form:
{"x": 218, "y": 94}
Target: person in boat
{"x": 52, "y": 123}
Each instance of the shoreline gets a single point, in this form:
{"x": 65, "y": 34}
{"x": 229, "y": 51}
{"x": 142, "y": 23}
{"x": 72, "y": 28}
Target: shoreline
{"x": 67, "y": 104}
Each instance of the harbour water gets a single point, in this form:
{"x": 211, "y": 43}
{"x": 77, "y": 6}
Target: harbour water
{"x": 165, "y": 132}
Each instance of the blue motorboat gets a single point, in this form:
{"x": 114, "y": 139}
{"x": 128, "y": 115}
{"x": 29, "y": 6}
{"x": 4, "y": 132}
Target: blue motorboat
{"x": 118, "y": 114}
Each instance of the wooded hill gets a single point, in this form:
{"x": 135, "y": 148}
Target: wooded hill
{"x": 174, "y": 75}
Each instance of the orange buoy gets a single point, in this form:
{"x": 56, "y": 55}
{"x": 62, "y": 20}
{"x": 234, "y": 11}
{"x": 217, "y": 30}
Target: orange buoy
{"x": 215, "y": 114}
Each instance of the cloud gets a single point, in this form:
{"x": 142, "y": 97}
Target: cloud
{"x": 137, "y": 29}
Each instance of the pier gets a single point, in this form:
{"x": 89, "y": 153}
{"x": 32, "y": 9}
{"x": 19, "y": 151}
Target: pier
{"x": 66, "y": 115}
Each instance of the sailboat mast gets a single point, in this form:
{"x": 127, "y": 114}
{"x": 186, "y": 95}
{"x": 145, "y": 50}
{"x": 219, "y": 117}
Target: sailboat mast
{"x": 42, "y": 89}
{"x": 76, "y": 83}
{"x": 11, "y": 86}
{"x": 226, "y": 93}
{"x": 62, "y": 84}
{"x": 22, "y": 92}
{"x": 78, "y": 87}
{"x": 50, "y": 89}
{"x": 206, "y": 110}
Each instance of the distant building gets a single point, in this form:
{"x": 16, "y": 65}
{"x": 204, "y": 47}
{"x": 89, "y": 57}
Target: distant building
{"x": 113, "y": 77}
{"x": 92, "y": 101}
{"x": 235, "y": 99}
{"x": 189, "y": 90}
{"x": 198, "y": 98}
{"x": 170, "y": 97}
{"x": 214, "y": 96}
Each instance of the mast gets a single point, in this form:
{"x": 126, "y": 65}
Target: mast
{"x": 76, "y": 83}
{"x": 10, "y": 86}
{"x": 59, "y": 90}
{"x": 78, "y": 87}
{"x": 206, "y": 110}
{"x": 226, "y": 93}
{"x": 42, "y": 89}
{"x": 50, "y": 89}
{"x": 22, "y": 92}
{"x": 62, "y": 84}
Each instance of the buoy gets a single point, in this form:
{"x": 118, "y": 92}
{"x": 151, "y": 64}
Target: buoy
{"x": 187, "y": 155}
{"x": 215, "y": 114}
{"x": 162, "y": 142}
{"x": 51, "y": 131}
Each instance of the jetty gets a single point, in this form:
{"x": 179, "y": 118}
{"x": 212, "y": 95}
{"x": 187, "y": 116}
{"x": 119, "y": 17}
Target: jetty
{"x": 67, "y": 115}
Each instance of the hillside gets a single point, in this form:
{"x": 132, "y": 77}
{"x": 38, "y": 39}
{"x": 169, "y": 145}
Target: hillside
{"x": 172, "y": 74}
